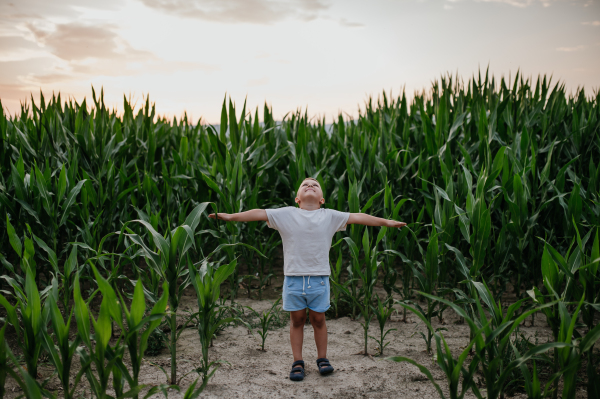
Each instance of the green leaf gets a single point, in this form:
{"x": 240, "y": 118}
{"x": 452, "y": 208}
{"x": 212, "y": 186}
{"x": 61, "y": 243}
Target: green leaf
{"x": 353, "y": 204}
{"x": 69, "y": 201}
{"x": 11, "y": 314}
{"x": 14, "y": 240}
{"x": 590, "y": 339}
{"x": 138, "y": 304}
{"x": 34, "y": 305}
{"x": 43, "y": 187}
{"x": 62, "y": 183}
{"x": 431, "y": 265}
{"x": 71, "y": 263}
{"x": 370, "y": 201}
{"x": 25, "y": 142}
{"x": 18, "y": 183}
{"x": 496, "y": 169}
{"x": 102, "y": 327}
{"x": 546, "y": 171}
{"x": 159, "y": 241}
{"x": 193, "y": 218}
{"x": 113, "y": 306}
{"x": 595, "y": 253}
{"x": 549, "y": 271}
{"x": 82, "y": 315}
{"x": 51, "y": 254}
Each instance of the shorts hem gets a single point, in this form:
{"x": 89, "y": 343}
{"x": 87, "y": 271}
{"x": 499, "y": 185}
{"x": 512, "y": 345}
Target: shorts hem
{"x": 294, "y": 310}
{"x": 320, "y": 311}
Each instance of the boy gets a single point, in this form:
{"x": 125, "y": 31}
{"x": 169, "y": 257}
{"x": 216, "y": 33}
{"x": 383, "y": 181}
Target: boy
{"x": 306, "y": 233}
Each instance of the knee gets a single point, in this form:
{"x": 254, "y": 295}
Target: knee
{"x": 318, "y": 320}
{"x": 298, "y": 322}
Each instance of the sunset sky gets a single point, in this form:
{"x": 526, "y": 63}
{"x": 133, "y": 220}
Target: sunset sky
{"x": 324, "y": 55}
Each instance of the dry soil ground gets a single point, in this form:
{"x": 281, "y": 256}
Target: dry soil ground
{"x": 252, "y": 373}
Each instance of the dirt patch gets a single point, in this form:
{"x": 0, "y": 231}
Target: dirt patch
{"x": 249, "y": 372}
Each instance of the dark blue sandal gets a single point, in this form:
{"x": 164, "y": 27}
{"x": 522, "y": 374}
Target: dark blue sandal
{"x": 297, "y": 373}
{"x": 324, "y": 366}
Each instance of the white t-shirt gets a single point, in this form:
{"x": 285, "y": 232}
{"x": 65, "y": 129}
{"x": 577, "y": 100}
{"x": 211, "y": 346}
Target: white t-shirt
{"x": 306, "y": 237}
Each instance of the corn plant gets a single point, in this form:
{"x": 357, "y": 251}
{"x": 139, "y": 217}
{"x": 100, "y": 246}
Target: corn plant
{"x": 382, "y": 313}
{"x": 231, "y": 198}
{"x": 4, "y": 365}
{"x": 265, "y": 320}
{"x": 29, "y": 327}
{"x": 589, "y": 278}
{"x": 367, "y": 276}
{"x": 392, "y": 240}
{"x": 427, "y": 276}
{"x": 97, "y": 352}
{"x": 267, "y": 248}
{"x": 46, "y": 203}
{"x": 575, "y": 348}
{"x": 62, "y": 353}
{"x": 452, "y": 368}
{"x": 492, "y": 338}
{"x": 533, "y": 387}
{"x": 207, "y": 284}
{"x": 169, "y": 263}
{"x": 192, "y": 392}
{"x": 560, "y": 284}
{"x": 8, "y": 364}
{"x": 336, "y": 278}
{"x": 26, "y": 253}
{"x": 132, "y": 335}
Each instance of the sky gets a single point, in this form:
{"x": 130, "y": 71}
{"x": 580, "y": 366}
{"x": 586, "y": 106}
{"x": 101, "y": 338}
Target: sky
{"x": 323, "y": 56}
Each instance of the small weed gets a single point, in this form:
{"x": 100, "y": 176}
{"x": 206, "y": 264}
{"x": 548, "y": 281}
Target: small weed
{"x": 157, "y": 341}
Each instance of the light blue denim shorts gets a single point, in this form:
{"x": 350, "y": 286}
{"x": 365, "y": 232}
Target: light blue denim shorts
{"x": 301, "y": 292}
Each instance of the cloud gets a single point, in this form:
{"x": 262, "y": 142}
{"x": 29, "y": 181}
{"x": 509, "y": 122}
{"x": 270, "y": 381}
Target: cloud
{"x": 262, "y": 12}
{"x": 75, "y": 51}
{"x": 16, "y": 48}
{"x": 54, "y": 8}
{"x": 87, "y": 50}
{"x": 570, "y": 49}
{"x": 75, "y": 42}
{"x": 592, "y": 23}
{"x": 514, "y": 3}
{"x": 350, "y": 24}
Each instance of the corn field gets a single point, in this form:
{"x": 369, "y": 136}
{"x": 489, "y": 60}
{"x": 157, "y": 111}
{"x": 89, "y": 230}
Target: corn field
{"x": 498, "y": 181}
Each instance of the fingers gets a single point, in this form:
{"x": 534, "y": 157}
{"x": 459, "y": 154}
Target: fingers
{"x": 212, "y": 216}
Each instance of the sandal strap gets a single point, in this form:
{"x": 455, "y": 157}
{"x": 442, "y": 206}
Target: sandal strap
{"x": 323, "y": 362}
{"x": 298, "y": 363}
{"x": 297, "y": 369}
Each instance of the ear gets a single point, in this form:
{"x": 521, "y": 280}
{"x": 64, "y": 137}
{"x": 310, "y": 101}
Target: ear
{"x": 297, "y": 200}
{"x": 322, "y": 201}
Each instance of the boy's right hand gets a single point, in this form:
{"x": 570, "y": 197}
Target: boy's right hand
{"x": 222, "y": 216}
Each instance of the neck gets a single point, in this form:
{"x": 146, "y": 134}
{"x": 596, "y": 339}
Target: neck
{"x": 309, "y": 207}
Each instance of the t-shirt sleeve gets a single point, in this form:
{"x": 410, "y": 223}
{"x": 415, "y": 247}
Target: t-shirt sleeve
{"x": 275, "y": 217}
{"x": 339, "y": 220}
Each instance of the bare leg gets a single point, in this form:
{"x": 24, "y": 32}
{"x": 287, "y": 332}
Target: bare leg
{"x": 317, "y": 320}
{"x": 298, "y": 317}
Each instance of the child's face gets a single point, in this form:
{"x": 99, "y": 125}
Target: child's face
{"x": 310, "y": 191}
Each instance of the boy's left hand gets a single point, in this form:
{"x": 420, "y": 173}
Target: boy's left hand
{"x": 393, "y": 223}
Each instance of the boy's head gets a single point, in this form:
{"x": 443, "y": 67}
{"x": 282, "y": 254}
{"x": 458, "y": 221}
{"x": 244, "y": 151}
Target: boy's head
{"x": 310, "y": 191}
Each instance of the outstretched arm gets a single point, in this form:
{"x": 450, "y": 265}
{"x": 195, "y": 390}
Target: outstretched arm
{"x": 368, "y": 220}
{"x": 253, "y": 215}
